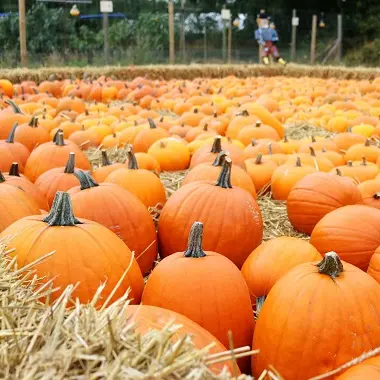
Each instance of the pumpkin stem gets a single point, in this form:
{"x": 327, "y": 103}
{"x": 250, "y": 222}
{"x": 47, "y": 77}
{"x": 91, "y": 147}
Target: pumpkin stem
{"x": 331, "y": 265}
{"x": 59, "y": 130}
{"x": 11, "y": 136}
{"x": 195, "y": 110}
{"x": 324, "y": 150}
{"x": 253, "y": 142}
{"x": 194, "y": 245}
{"x": 220, "y": 158}
{"x": 105, "y": 160}
{"x": 14, "y": 170}
{"x": 217, "y": 145}
{"x": 338, "y": 172}
{"x": 364, "y": 161}
{"x": 298, "y": 162}
{"x": 58, "y": 139}
{"x": 132, "y": 162}
{"x": 286, "y": 139}
{"x": 349, "y": 164}
{"x": 313, "y": 140}
{"x": 270, "y": 148}
{"x": 258, "y": 124}
{"x": 2, "y": 178}
{"x": 259, "y": 158}
{"x": 152, "y": 124}
{"x": 312, "y": 151}
{"x": 205, "y": 128}
{"x": 244, "y": 113}
{"x": 70, "y": 166}
{"x": 259, "y": 303}
{"x": 376, "y": 195}
{"x": 224, "y": 179}
{"x": 61, "y": 213}
{"x": 15, "y": 107}
{"x": 349, "y": 129}
{"x": 367, "y": 143}
{"x": 33, "y": 122}
{"x": 85, "y": 179}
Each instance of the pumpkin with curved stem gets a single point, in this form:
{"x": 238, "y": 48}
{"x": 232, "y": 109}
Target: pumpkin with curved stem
{"x": 86, "y": 252}
{"x": 213, "y": 294}
{"x": 211, "y": 171}
{"x": 121, "y": 212}
{"x": 352, "y": 231}
{"x": 146, "y": 318}
{"x": 208, "y": 153}
{"x": 258, "y": 131}
{"x": 32, "y": 134}
{"x": 234, "y": 229}
{"x": 368, "y": 369}
{"x": 315, "y": 319}
{"x": 15, "y": 179}
{"x": 271, "y": 260}
{"x": 347, "y": 139}
{"x": 358, "y": 151}
{"x": 52, "y": 155}
{"x": 15, "y": 204}
{"x": 140, "y": 182}
{"x": 146, "y": 137}
{"x": 286, "y": 176}
{"x": 13, "y": 151}
{"x": 278, "y": 158}
{"x": 57, "y": 179}
{"x": 316, "y": 195}
{"x": 106, "y": 168}
{"x": 260, "y": 170}
{"x": 9, "y": 116}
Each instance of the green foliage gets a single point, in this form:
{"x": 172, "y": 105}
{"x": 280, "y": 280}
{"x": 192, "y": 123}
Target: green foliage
{"x": 368, "y": 55}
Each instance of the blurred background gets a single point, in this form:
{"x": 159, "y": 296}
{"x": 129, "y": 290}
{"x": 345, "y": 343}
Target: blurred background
{"x": 72, "y": 32}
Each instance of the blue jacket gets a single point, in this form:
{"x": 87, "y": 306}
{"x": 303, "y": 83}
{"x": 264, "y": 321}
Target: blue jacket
{"x": 265, "y": 34}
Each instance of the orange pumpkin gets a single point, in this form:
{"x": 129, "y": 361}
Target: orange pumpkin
{"x": 314, "y": 320}
{"x": 358, "y": 151}
{"x": 259, "y": 131}
{"x": 94, "y": 247}
{"x": 347, "y": 139}
{"x": 32, "y": 134}
{"x": 234, "y": 229}
{"x": 146, "y": 137}
{"x": 148, "y": 162}
{"x": 9, "y": 116}
{"x": 106, "y": 168}
{"x": 368, "y": 369}
{"x": 210, "y": 298}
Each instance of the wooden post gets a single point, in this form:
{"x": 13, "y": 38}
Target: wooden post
{"x": 105, "y": 32}
{"x": 224, "y": 42}
{"x": 230, "y": 42}
{"x": 205, "y": 44}
{"x": 340, "y": 39}
{"x": 294, "y": 37}
{"x": 22, "y": 31}
{"x": 182, "y": 31}
{"x": 171, "y": 31}
{"x": 313, "y": 39}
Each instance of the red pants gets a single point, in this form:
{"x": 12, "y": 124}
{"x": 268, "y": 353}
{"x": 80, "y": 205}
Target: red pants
{"x": 270, "y": 49}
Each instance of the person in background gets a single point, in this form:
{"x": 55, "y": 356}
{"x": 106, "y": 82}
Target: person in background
{"x": 267, "y": 37}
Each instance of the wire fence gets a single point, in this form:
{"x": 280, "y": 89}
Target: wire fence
{"x": 55, "y": 38}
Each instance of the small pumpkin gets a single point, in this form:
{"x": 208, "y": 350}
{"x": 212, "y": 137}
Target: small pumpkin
{"x": 320, "y": 162}
{"x": 148, "y": 162}
{"x": 187, "y": 283}
{"x": 258, "y": 131}
{"x": 357, "y": 151}
{"x": 106, "y": 167}
{"x": 347, "y": 139}
{"x": 146, "y": 137}
{"x": 351, "y": 231}
{"x": 9, "y": 116}
{"x": 256, "y": 147}
{"x": 86, "y": 253}
{"x": 359, "y": 171}
{"x": 289, "y": 146}
{"x": 318, "y": 145}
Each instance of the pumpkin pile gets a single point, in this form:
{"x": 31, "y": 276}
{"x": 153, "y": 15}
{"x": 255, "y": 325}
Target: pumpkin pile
{"x": 82, "y": 170}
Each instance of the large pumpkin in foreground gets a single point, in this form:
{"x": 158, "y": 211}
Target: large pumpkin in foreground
{"x": 84, "y": 252}
{"x": 367, "y": 370}
{"x": 205, "y": 287}
{"x": 232, "y": 219}
{"x": 318, "y": 317}
{"x": 353, "y": 232}
{"x": 147, "y": 317}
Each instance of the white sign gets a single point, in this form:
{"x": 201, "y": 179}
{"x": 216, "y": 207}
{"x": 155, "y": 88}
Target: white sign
{"x": 226, "y": 14}
{"x": 106, "y": 6}
{"x": 295, "y": 21}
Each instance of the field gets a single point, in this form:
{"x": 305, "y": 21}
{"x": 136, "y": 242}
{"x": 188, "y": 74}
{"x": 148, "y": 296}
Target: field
{"x": 198, "y": 222}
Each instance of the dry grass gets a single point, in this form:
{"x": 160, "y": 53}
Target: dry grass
{"x": 302, "y": 130}
{"x": 190, "y": 72}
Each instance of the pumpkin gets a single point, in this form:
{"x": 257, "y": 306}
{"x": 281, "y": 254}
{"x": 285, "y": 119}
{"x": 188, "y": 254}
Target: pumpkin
{"x": 85, "y": 139}
{"x": 211, "y": 171}
{"x": 335, "y": 157}
{"x": 52, "y": 155}
{"x": 368, "y": 369}
{"x": 347, "y": 139}
{"x": 358, "y": 151}
{"x": 208, "y": 153}
{"x": 318, "y": 145}
{"x": 359, "y": 171}
{"x": 286, "y": 176}
{"x": 316, "y": 195}
{"x": 261, "y": 146}
{"x": 15, "y": 179}
{"x": 106, "y": 168}
{"x": 14, "y": 205}
{"x": 32, "y": 134}
{"x": 187, "y": 283}
{"x": 259, "y": 131}
{"x": 140, "y": 182}
{"x": 12, "y": 151}
{"x": 320, "y": 162}
{"x": 370, "y": 191}
{"x": 324, "y": 314}
{"x": 85, "y": 252}
{"x": 145, "y": 318}
{"x": 270, "y": 261}
{"x": 6, "y": 87}
{"x": 231, "y": 218}
{"x": 146, "y": 137}
{"x": 171, "y": 154}
{"x": 9, "y": 116}
{"x": 238, "y": 122}
{"x": 278, "y": 158}
{"x": 289, "y": 146}
{"x": 121, "y": 212}
{"x": 374, "y": 265}
{"x": 148, "y": 162}
{"x": 260, "y": 170}
{"x": 352, "y": 231}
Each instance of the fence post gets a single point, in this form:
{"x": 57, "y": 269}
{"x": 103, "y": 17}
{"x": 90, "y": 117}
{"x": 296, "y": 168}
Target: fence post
{"x": 22, "y": 31}
{"x": 171, "y": 31}
{"x": 105, "y": 32}
{"x": 182, "y": 31}
{"x": 294, "y": 36}
{"x": 313, "y": 39}
{"x": 340, "y": 38}
{"x": 205, "y": 44}
{"x": 230, "y": 42}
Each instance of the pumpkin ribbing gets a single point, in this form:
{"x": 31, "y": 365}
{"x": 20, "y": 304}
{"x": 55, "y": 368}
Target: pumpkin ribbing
{"x": 194, "y": 247}
{"x": 85, "y": 180}
{"x": 224, "y": 179}
{"x": 61, "y": 213}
